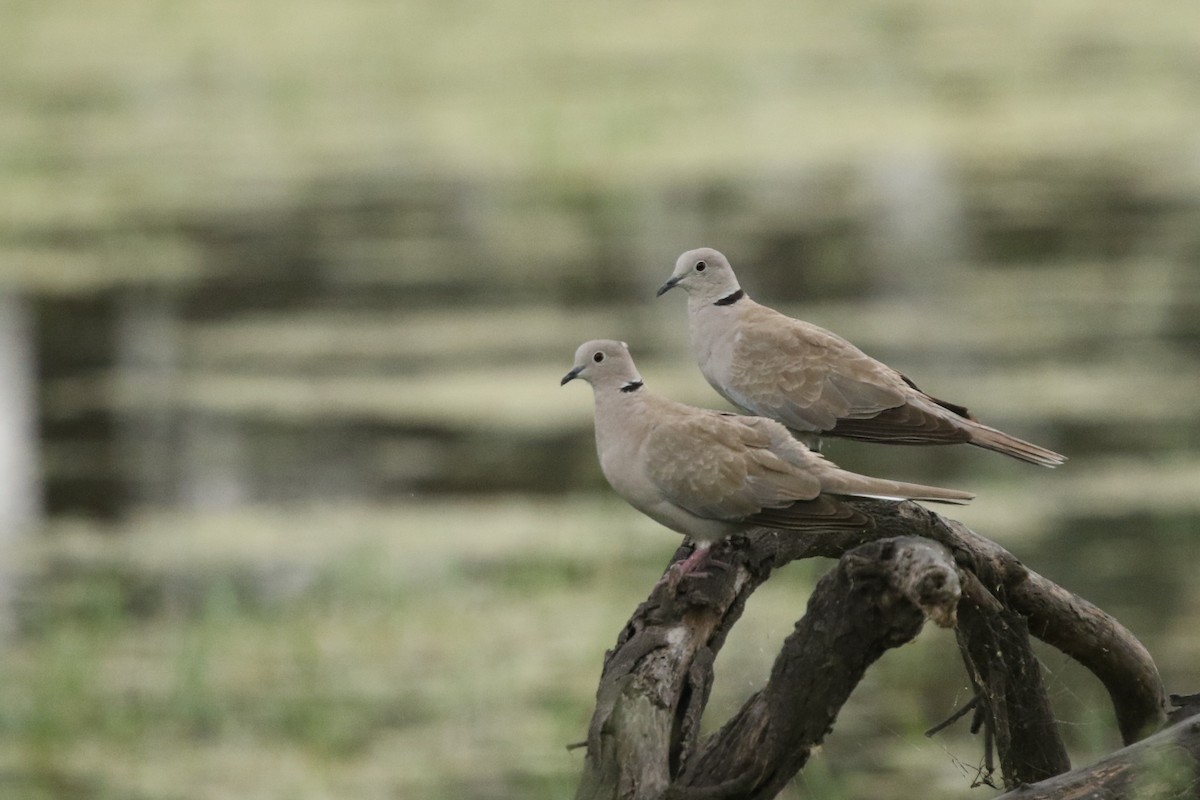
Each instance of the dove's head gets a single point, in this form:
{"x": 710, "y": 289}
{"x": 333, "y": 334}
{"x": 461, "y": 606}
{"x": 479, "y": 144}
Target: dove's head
{"x": 605, "y": 364}
{"x": 704, "y": 274}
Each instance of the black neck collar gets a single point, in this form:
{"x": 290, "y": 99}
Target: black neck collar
{"x": 730, "y": 299}
{"x": 632, "y": 386}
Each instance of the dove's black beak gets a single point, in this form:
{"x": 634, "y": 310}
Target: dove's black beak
{"x": 570, "y": 376}
{"x": 666, "y": 287}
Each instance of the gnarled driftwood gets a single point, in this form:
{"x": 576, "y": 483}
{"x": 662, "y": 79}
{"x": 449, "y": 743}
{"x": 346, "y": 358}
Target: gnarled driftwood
{"x": 910, "y": 564}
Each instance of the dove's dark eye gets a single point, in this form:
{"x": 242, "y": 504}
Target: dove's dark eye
{"x": 701, "y": 266}
{"x": 598, "y": 357}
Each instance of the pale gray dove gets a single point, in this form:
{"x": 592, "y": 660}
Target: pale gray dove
{"x": 812, "y": 380}
{"x": 710, "y": 474}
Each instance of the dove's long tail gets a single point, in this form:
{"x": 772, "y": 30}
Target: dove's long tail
{"x": 992, "y": 439}
{"x": 852, "y": 484}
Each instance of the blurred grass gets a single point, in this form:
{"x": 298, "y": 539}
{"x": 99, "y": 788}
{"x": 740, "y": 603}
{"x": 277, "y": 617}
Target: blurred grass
{"x": 122, "y": 116}
{"x": 394, "y": 652}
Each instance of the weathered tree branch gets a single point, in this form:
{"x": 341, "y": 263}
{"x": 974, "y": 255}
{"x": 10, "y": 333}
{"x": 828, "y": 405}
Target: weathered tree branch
{"x": 1056, "y": 616}
{"x": 642, "y": 742}
{"x": 877, "y": 598}
{"x": 1073, "y": 625}
{"x": 1008, "y": 681}
{"x": 1165, "y": 766}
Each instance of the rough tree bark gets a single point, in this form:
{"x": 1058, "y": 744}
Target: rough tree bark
{"x": 1009, "y": 690}
{"x": 910, "y": 564}
{"x": 1166, "y": 766}
{"x": 877, "y": 598}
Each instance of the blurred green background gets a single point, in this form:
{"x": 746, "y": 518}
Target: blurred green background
{"x": 292, "y": 502}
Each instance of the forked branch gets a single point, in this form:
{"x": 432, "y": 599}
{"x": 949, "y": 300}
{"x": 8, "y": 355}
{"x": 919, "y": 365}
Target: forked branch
{"x": 643, "y": 740}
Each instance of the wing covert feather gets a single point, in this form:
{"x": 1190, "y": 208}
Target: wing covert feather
{"x": 724, "y": 466}
{"x": 807, "y": 377}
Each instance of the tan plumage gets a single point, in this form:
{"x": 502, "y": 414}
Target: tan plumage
{"x": 709, "y": 474}
{"x": 812, "y": 380}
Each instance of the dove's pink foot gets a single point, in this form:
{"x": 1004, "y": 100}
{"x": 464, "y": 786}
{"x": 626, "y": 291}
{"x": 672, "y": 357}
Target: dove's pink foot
{"x": 677, "y": 571}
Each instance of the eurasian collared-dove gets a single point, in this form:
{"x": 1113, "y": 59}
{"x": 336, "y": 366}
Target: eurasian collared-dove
{"x": 812, "y": 380}
{"x": 710, "y": 474}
